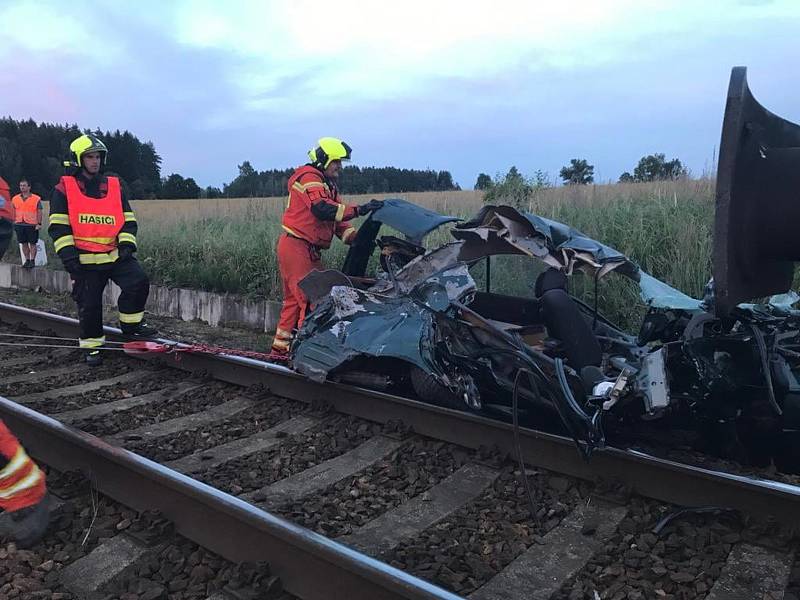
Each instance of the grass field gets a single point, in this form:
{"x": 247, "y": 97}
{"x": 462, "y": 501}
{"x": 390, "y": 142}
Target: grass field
{"x": 228, "y": 245}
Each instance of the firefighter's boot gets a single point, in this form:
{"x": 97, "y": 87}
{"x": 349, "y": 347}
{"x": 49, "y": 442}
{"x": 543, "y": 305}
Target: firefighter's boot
{"x": 139, "y": 331}
{"x": 94, "y": 358}
{"x": 28, "y": 525}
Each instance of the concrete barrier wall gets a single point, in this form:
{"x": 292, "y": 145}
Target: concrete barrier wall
{"x": 214, "y": 309}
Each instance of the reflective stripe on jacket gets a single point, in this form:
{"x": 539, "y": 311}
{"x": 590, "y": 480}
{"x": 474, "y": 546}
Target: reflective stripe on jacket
{"x": 95, "y": 222}
{"x": 307, "y": 186}
{"x": 26, "y": 209}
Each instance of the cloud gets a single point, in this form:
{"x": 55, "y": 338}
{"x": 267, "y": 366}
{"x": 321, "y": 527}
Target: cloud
{"x": 364, "y": 51}
{"x": 465, "y": 86}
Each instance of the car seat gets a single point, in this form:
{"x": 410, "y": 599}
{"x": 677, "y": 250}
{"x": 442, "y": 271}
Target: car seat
{"x": 565, "y": 322}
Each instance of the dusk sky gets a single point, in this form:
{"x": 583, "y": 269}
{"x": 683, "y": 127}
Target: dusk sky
{"x": 465, "y": 86}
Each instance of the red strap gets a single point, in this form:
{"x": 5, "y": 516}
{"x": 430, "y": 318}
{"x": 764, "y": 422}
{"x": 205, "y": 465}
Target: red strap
{"x": 142, "y": 347}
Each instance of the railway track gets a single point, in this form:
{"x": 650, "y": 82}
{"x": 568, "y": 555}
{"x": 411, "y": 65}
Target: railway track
{"x": 276, "y": 470}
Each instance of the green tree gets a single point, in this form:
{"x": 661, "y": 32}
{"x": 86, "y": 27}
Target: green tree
{"x": 510, "y": 188}
{"x": 246, "y": 184}
{"x": 655, "y": 167}
{"x": 626, "y": 178}
{"x": 484, "y": 182}
{"x": 578, "y": 172}
{"x": 175, "y": 186}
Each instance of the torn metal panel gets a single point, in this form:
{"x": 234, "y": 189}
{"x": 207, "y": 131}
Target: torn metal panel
{"x": 349, "y": 323}
{"x": 457, "y": 282}
{"x": 658, "y": 294}
{"x": 785, "y": 301}
{"x": 499, "y": 230}
{"x": 504, "y": 230}
{"x": 423, "y": 267}
{"x": 412, "y": 220}
{"x": 757, "y": 200}
{"x": 318, "y": 284}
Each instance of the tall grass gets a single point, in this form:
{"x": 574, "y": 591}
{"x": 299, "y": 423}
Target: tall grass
{"x": 228, "y": 245}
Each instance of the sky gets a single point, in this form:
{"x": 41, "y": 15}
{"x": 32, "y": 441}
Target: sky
{"x": 462, "y": 86}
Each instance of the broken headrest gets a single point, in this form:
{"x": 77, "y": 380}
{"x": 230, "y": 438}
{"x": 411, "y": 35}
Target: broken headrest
{"x": 551, "y": 279}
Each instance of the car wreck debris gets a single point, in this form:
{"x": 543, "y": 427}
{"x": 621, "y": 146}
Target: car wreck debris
{"x": 723, "y": 369}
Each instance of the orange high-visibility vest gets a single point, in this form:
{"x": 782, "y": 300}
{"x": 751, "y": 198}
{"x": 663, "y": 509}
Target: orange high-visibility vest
{"x": 22, "y": 483}
{"x": 95, "y": 222}
{"x": 26, "y": 209}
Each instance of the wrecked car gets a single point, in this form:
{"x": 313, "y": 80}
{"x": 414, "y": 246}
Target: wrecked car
{"x": 723, "y": 369}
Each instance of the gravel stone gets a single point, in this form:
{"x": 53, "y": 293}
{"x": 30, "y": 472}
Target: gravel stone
{"x": 406, "y": 473}
{"x": 466, "y": 549}
{"x": 332, "y": 437}
{"x": 271, "y": 411}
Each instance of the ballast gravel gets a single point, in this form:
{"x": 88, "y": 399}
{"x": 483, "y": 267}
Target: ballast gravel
{"x": 411, "y": 470}
{"x": 467, "y": 548}
{"x": 173, "y": 568}
{"x": 81, "y": 374}
{"x": 268, "y": 413}
{"x": 208, "y": 395}
{"x": 680, "y": 562}
{"x": 334, "y": 436}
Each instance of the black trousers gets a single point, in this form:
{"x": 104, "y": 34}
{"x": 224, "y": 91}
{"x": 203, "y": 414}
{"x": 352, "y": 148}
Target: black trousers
{"x": 87, "y": 291}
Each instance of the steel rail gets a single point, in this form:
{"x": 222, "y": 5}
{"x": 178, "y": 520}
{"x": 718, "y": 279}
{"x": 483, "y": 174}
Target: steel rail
{"x": 310, "y": 566}
{"x": 649, "y": 476}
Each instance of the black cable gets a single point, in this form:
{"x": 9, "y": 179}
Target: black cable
{"x": 762, "y": 351}
{"x": 594, "y": 435}
{"x": 517, "y": 444}
{"x": 596, "y": 277}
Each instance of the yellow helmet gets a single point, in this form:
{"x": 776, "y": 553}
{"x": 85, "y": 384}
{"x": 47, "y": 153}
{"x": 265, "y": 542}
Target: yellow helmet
{"x": 87, "y": 143}
{"x": 329, "y": 149}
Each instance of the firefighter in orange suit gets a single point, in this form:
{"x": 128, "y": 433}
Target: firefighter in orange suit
{"x": 93, "y": 228}
{"x": 23, "y": 493}
{"x": 314, "y": 214}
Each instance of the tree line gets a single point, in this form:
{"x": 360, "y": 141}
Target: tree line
{"x": 653, "y": 167}
{"x": 37, "y": 151}
{"x": 353, "y": 180}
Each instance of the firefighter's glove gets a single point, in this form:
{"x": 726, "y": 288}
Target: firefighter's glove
{"x": 125, "y": 252}
{"x": 73, "y": 266}
{"x": 369, "y": 207}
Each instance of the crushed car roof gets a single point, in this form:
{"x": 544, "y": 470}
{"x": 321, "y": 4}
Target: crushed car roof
{"x": 501, "y": 229}
{"x": 412, "y": 220}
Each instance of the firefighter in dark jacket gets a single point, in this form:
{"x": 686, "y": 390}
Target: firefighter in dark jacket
{"x": 314, "y": 214}
{"x": 94, "y": 233}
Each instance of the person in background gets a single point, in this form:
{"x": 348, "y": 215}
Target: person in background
{"x": 314, "y": 214}
{"x": 28, "y": 209}
{"x": 23, "y": 493}
{"x": 93, "y": 228}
